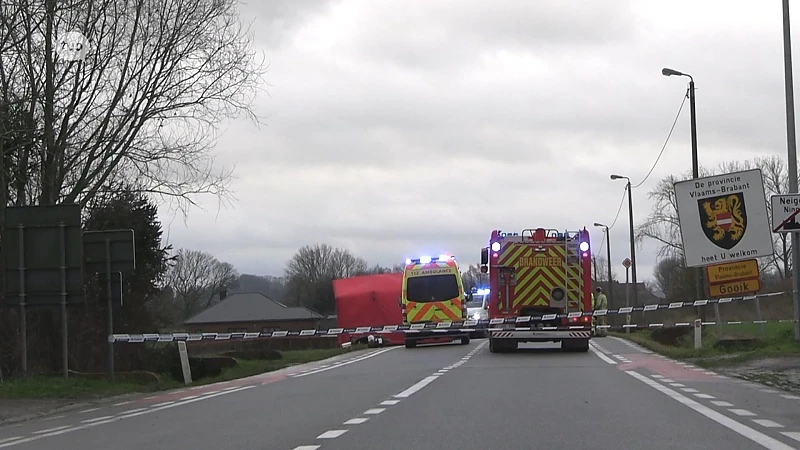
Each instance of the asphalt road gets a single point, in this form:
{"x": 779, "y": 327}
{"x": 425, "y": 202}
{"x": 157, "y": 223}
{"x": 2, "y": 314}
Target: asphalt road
{"x": 445, "y": 397}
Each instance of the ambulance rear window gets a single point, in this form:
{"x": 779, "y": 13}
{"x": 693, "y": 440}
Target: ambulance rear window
{"x": 432, "y": 288}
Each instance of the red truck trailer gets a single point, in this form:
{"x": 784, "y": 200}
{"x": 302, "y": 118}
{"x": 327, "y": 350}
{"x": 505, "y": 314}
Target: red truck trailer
{"x": 369, "y": 301}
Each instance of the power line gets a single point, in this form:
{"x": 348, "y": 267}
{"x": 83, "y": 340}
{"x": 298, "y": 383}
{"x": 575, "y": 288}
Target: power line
{"x": 665, "y": 142}
{"x": 619, "y": 209}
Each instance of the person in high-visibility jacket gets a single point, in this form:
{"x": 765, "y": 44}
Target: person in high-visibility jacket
{"x": 600, "y": 302}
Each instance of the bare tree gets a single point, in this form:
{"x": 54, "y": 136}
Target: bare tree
{"x": 311, "y": 271}
{"x": 473, "y": 277}
{"x": 196, "y": 281}
{"x": 158, "y": 78}
{"x": 674, "y": 279}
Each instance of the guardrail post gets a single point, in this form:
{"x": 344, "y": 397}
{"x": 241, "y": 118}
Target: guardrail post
{"x": 698, "y": 333}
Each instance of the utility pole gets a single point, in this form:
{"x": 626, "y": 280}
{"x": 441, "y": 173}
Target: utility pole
{"x": 791, "y": 141}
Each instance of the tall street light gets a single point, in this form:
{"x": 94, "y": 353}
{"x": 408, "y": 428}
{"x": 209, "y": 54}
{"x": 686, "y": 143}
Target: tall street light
{"x": 608, "y": 249}
{"x": 791, "y": 143}
{"x": 633, "y": 238}
{"x": 695, "y": 165}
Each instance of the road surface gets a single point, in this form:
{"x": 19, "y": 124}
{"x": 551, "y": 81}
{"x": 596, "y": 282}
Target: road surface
{"x": 444, "y": 397}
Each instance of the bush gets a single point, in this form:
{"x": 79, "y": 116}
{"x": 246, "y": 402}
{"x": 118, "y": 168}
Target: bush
{"x": 671, "y": 336}
{"x": 203, "y": 367}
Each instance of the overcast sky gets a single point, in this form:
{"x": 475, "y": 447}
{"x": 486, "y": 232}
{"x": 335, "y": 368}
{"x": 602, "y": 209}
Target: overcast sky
{"x": 396, "y": 129}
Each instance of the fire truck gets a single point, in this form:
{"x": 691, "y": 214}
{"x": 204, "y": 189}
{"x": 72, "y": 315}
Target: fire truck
{"x": 540, "y": 288}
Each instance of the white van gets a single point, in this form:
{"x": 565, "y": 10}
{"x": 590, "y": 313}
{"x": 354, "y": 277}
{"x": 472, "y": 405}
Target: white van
{"x": 478, "y": 309}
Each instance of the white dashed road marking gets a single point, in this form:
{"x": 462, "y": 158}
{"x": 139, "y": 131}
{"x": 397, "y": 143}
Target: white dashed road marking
{"x": 792, "y": 434}
{"x": 750, "y": 433}
{"x": 356, "y": 421}
{"x": 742, "y": 412}
{"x": 767, "y": 423}
{"x": 331, "y": 434}
{"x": 722, "y": 403}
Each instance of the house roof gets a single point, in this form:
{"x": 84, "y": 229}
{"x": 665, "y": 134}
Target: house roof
{"x": 251, "y": 307}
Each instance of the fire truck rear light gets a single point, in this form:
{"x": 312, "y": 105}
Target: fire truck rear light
{"x": 495, "y": 246}
{"x": 584, "y": 246}
{"x": 585, "y": 254}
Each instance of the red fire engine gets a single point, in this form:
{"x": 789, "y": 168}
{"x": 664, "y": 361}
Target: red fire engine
{"x": 540, "y": 288}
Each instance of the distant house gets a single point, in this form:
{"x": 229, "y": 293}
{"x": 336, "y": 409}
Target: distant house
{"x": 251, "y": 312}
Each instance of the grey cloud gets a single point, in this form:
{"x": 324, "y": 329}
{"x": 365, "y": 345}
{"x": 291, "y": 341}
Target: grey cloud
{"x": 451, "y": 35}
{"x": 432, "y": 125}
{"x": 275, "y": 21}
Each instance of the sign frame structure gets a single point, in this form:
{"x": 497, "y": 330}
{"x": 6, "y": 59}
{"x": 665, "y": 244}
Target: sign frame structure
{"x": 730, "y": 208}
{"x": 733, "y": 278}
{"x": 108, "y": 252}
{"x": 785, "y": 209}
{"x": 40, "y": 240}
{"x": 32, "y": 233}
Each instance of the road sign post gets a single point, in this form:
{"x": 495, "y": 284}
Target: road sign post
{"x": 627, "y": 264}
{"x": 110, "y": 252}
{"x": 723, "y": 218}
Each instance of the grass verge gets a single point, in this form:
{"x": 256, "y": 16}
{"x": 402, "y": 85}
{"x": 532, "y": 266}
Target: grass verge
{"x": 77, "y": 387}
{"x": 777, "y": 340}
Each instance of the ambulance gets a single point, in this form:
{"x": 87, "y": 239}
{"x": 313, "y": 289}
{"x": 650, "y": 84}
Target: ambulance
{"x": 433, "y": 293}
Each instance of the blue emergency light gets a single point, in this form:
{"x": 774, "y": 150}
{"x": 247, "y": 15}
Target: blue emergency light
{"x": 429, "y": 259}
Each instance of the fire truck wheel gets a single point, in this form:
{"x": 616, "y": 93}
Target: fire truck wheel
{"x": 411, "y": 344}
{"x": 465, "y": 340}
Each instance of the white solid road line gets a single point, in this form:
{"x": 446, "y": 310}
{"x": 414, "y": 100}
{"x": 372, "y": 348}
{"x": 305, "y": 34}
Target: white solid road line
{"x": 416, "y": 387}
{"x": 755, "y": 436}
{"x": 335, "y": 366}
{"x": 601, "y": 355}
{"x": 68, "y": 429}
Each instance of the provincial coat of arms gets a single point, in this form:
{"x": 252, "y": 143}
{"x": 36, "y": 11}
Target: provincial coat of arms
{"x": 724, "y": 219}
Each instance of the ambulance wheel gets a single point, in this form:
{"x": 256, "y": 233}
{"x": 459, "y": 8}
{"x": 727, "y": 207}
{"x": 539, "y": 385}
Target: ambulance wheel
{"x": 411, "y": 344}
{"x": 465, "y": 340}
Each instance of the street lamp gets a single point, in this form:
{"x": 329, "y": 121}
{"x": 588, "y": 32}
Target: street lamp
{"x": 608, "y": 249}
{"x": 695, "y": 165}
{"x": 633, "y": 238}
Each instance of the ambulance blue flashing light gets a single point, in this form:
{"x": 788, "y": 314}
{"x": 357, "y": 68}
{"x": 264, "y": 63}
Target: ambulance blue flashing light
{"x": 429, "y": 259}
{"x": 482, "y": 291}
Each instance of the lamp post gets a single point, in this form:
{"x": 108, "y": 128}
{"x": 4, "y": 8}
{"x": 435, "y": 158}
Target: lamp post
{"x": 791, "y": 143}
{"x": 695, "y": 165}
{"x": 608, "y": 249}
{"x": 633, "y": 238}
